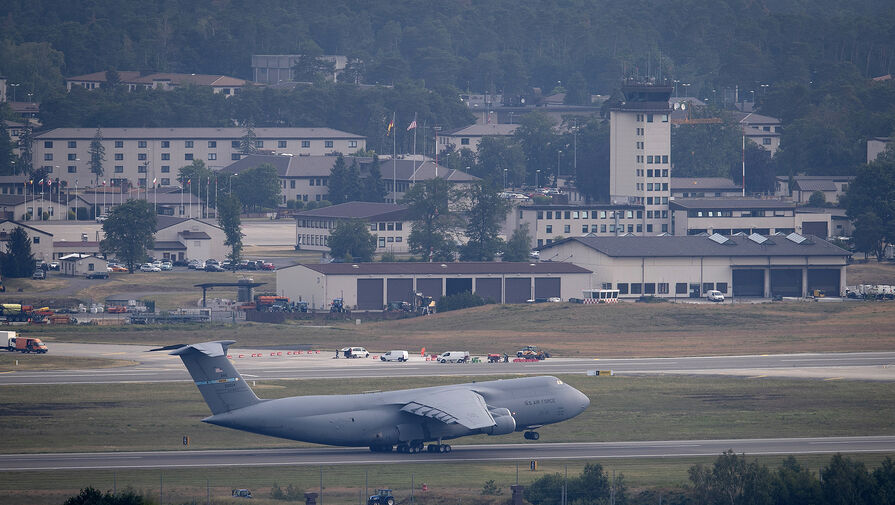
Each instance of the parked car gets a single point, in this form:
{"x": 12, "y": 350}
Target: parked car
{"x": 148, "y": 267}
{"x": 394, "y": 356}
{"x": 193, "y": 264}
{"x": 453, "y": 357}
{"x": 213, "y": 267}
{"x": 166, "y": 266}
{"x": 116, "y": 268}
{"x": 99, "y": 274}
{"x": 39, "y": 274}
{"x": 212, "y": 261}
{"x": 713, "y": 295}
{"x": 268, "y": 266}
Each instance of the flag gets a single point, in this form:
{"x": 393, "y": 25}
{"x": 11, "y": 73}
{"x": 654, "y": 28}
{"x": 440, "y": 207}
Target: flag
{"x": 412, "y": 125}
{"x": 391, "y": 124}
{"x": 104, "y": 183}
{"x": 189, "y": 181}
{"x": 154, "y": 179}
{"x": 40, "y": 182}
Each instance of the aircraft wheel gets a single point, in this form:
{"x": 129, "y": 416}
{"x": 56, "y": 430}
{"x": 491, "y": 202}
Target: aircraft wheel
{"x": 447, "y": 448}
{"x": 390, "y": 501}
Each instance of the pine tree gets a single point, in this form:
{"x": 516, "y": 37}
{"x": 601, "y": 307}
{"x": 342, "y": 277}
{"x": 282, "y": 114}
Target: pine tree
{"x": 97, "y": 156}
{"x": 26, "y": 147}
{"x": 354, "y": 189}
{"x": 375, "y": 186}
{"x": 18, "y": 260}
{"x": 338, "y": 181}
{"x": 7, "y": 158}
{"x": 248, "y": 142}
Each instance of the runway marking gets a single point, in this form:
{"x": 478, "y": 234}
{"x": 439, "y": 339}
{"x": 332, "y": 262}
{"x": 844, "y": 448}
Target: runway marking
{"x": 758, "y": 376}
{"x": 834, "y": 378}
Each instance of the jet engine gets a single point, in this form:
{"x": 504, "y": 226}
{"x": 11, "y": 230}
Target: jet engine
{"x": 506, "y": 423}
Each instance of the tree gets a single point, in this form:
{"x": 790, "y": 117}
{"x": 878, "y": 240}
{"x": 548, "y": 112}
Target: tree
{"x": 518, "y": 247}
{"x": 499, "y": 156}
{"x": 7, "y": 157}
{"x": 338, "y": 181}
{"x": 18, "y": 260}
{"x": 374, "y": 185}
{"x": 248, "y": 144}
{"x": 26, "y": 148}
{"x": 92, "y": 496}
{"x": 311, "y": 66}
{"x": 351, "y": 240}
{"x": 845, "y": 482}
{"x": 228, "y": 210}
{"x": 354, "y": 187}
{"x": 870, "y": 201}
{"x": 130, "y": 232}
{"x": 539, "y": 143}
{"x": 485, "y": 211}
{"x": 258, "y": 187}
{"x": 817, "y": 199}
{"x": 795, "y": 484}
{"x": 707, "y": 150}
{"x": 97, "y": 154}
{"x": 192, "y": 175}
{"x": 434, "y": 224}
{"x": 869, "y": 235}
{"x": 592, "y": 175}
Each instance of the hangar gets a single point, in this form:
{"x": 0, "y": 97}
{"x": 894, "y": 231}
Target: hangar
{"x": 688, "y": 266}
{"x": 370, "y": 286}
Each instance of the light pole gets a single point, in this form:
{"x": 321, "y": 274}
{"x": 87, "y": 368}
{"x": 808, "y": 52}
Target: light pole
{"x": 14, "y": 86}
{"x": 504, "y": 178}
{"x": 686, "y": 86}
{"x": 558, "y": 159}
{"x": 537, "y": 176}
{"x": 676, "y": 82}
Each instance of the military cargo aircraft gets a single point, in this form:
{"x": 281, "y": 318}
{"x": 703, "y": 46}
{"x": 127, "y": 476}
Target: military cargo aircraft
{"x": 402, "y": 420}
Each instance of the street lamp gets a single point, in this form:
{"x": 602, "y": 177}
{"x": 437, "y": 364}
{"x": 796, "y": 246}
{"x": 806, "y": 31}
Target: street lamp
{"x": 686, "y": 86}
{"x": 558, "y": 158}
{"x": 537, "y": 175}
{"x": 14, "y": 86}
{"x": 504, "y": 178}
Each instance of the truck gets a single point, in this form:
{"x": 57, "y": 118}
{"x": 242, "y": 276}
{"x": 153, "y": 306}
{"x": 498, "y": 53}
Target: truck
{"x": 17, "y": 312}
{"x": 532, "y": 352}
{"x": 26, "y": 345}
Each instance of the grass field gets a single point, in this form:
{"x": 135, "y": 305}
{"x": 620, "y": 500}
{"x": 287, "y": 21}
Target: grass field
{"x": 120, "y": 417}
{"x": 621, "y": 330}
{"x": 16, "y": 361}
{"x": 448, "y": 484}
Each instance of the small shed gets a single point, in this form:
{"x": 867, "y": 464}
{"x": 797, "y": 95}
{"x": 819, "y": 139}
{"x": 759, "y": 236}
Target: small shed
{"x": 82, "y": 264}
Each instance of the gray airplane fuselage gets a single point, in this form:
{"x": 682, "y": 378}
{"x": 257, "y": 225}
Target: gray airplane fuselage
{"x": 372, "y": 419}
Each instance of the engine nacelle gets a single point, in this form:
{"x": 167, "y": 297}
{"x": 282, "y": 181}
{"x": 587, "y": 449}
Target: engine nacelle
{"x": 506, "y": 423}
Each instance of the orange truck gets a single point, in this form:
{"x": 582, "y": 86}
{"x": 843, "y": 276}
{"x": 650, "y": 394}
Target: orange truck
{"x": 23, "y": 344}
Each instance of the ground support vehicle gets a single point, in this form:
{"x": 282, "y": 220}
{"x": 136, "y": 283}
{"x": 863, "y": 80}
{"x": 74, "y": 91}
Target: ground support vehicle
{"x": 337, "y": 305}
{"x": 497, "y": 358}
{"x": 17, "y": 312}
{"x": 382, "y": 497}
{"x": 532, "y": 352}
{"x": 394, "y": 356}
{"x": 25, "y": 345}
{"x": 354, "y": 352}
{"x": 241, "y": 493}
{"x": 266, "y": 303}
{"x": 453, "y": 357}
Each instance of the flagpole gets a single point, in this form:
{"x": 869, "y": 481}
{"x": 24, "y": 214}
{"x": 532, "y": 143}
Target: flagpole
{"x": 394, "y": 162}
{"x": 181, "y": 198}
{"x": 413, "y": 177}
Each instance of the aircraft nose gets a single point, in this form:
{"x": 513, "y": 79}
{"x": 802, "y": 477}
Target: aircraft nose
{"x": 581, "y": 400}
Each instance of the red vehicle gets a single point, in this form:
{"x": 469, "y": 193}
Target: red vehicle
{"x": 268, "y": 266}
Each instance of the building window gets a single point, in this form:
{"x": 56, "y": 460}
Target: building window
{"x": 188, "y": 156}
{"x": 212, "y": 156}
{"x": 399, "y": 226}
{"x": 636, "y": 288}
{"x": 664, "y": 158}
{"x": 649, "y": 161}
{"x": 583, "y": 228}
{"x": 707, "y": 286}
{"x": 119, "y": 144}
{"x": 212, "y": 144}
{"x": 292, "y": 184}
{"x": 48, "y": 144}
{"x": 567, "y": 228}
{"x": 119, "y": 169}
{"x": 722, "y": 287}
{"x": 305, "y": 144}
{"x": 72, "y": 144}
{"x": 72, "y": 169}
{"x": 766, "y": 141}
{"x": 662, "y": 288}
{"x": 680, "y": 288}
{"x": 188, "y": 144}
{"x": 119, "y": 156}
{"x": 166, "y": 181}
{"x": 649, "y": 118}
{"x": 259, "y": 144}
{"x": 649, "y": 228}
{"x": 281, "y": 144}
{"x": 166, "y": 156}
{"x": 549, "y": 229}
{"x": 72, "y": 157}
{"x": 464, "y": 141}
{"x": 141, "y": 169}
{"x": 48, "y": 156}
{"x": 141, "y": 144}
{"x": 328, "y": 144}
{"x": 166, "y": 144}
{"x": 649, "y": 288}
{"x": 622, "y": 288}
{"x": 234, "y": 156}
{"x": 381, "y": 241}
{"x": 141, "y": 156}
{"x": 234, "y": 144}
{"x": 353, "y": 144}
{"x": 166, "y": 169}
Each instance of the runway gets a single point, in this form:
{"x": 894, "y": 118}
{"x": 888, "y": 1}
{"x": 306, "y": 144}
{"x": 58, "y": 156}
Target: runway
{"x": 461, "y": 453}
{"x": 274, "y": 364}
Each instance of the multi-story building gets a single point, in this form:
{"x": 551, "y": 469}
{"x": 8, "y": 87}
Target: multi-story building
{"x": 800, "y": 188}
{"x": 141, "y": 155}
{"x": 469, "y": 137}
{"x": 877, "y": 146}
{"x": 549, "y": 223}
{"x": 277, "y": 68}
{"x": 761, "y": 129}
{"x": 729, "y": 216}
{"x": 640, "y": 154}
{"x": 704, "y": 187}
{"x": 134, "y": 80}
{"x": 389, "y": 222}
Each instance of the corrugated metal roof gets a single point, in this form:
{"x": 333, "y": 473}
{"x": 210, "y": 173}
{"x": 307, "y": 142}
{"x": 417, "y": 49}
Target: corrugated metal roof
{"x": 822, "y": 185}
{"x": 358, "y": 210}
{"x": 454, "y": 268}
{"x": 697, "y": 246}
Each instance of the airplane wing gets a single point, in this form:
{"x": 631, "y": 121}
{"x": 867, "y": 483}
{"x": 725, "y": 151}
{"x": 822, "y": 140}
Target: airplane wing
{"x": 450, "y": 406}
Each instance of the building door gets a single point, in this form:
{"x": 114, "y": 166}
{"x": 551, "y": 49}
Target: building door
{"x": 369, "y": 294}
{"x": 430, "y": 287}
{"x": 547, "y": 287}
{"x": 786, "y": 282}
{"x": 488, "y": 288}
{"x": 400, "y": 290}
{"x": 748, "y": 283}
{"x": 826, "y": 279}
{"x": 518, "y": 289}
{"x": 454, "y": 286}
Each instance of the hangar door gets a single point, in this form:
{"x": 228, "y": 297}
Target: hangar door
{"x": 489, "y": 289}
{"x": 816, "y": 228}
{"x": 429, "y": 287}
{"x": 748, "y": 283}
{"x": 547, "y": 287}
{"x": 399, "y": 290}
{"x": 369, "y": 294}
{"x": 518, "y": 289}
{"x": 454, "y": 286}
{"x": 825, "y": 279}
{"x": 786, "y": 282}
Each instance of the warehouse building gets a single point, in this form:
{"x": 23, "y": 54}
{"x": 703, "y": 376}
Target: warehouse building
{"x": 688, "y": 266}
{"x": 370, "y": 286}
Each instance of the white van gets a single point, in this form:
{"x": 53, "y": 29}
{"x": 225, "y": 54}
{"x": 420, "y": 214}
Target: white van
{"x": 355, "y": 352}
{"x": 453, "y": 357}
{"x": 394, "y": 356}
{"x": 713, "y": 295}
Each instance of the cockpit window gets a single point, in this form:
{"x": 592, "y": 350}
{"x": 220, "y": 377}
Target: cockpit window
{"x": 558, "y": 382}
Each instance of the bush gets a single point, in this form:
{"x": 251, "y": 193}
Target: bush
{"x": 291, "y": 493}
{"x": 459, "y": 301}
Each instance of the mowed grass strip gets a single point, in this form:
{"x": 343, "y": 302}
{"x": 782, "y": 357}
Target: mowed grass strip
{"x": 604, "y": 331}
{"x": 12, "y": 362}
{"x": 446, "y": 482}
{"x": 125, "y": 417}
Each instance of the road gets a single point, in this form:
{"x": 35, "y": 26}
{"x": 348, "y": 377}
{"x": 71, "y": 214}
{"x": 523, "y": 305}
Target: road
{"x": 279, "y": 364}
{"x": 465, "y": 453}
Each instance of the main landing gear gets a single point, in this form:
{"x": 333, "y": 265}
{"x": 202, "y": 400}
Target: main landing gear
{"x": 440, "y": 448}
{"x": 532, "y": 435}
{"x": 414, "y": 447}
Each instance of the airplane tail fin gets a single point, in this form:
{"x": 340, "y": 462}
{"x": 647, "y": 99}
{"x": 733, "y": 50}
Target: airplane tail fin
{"x": 217, "y": 379}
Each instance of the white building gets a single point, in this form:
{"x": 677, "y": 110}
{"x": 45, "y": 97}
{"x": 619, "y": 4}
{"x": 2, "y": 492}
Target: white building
{"x": 640, "y": 155}
{"x": 469, "y": 137}
{"x": 370, "y": 286}
{"x": 141, "y": 155}
{"x": 729, "y": 216}
{"x": 82, "y": 264}
{"x": 876, "y": 146}
{"x": 387, "y": 221}
{"x": 180, "y": 239}
{"x": 277, "y": 68}
{"x": 682, "y": 267}
{"x": 549, "y": 223}
{"x": 801, "y": 187}
{"x": 134, "y": 80}
{"x": 704, "y": 187}
{"x": 41, "y": 241}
